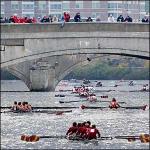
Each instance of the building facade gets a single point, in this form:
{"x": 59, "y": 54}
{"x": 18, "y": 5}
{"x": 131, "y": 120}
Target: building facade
{"x": 136, "y": 9}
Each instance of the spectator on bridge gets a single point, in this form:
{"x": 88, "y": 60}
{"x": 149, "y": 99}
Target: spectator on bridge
{"x": 45, "y": 19}
{"x": 50, "y": 18}
{"x": 38, "y": 19}
{"x": 2, "y": 20}
{"x": 77, "y": 17}
{"x": 89, "y": 19}
{"x": 128, "y": 19}
{"x": 66, "y": 16}
{"x": 54, "y": 19}
{"x": 98, "y": 19}
{"x": 62, "y": 22}
{"x": 120, "y": 19}
{"x": 111, "y": 18}
{"x": 145, "y": 19}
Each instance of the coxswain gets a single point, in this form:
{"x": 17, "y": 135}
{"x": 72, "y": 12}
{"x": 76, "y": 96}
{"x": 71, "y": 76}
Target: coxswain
{"x": 72, "y": 130}
{"x": 28, "y": 107}
{"x": 93, "y": 132}
{"x": 14, "y": 107}
{"x": 114, "y": 104}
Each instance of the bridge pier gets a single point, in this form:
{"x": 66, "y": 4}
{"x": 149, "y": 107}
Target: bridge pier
{"x": 42, "y": 79}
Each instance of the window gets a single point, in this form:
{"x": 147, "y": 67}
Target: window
{"x": 142, "y": 7}
{"x": 79, "y": 4}
{"x": 95, "y": 4}
{"x": 126, "y": 6}
{"x": 14, "y": 5}
{"x": 115, "y": 15}
{"x": 129, "y": 2}
{"x": 28, "y": 15}
{"x": 28, "y": 6}
{"x": 119, "y": 5}
{"x": 2, "y": 6}
{"x": 42, "y": 5}
{"x": 65, "y": 6}
{"x": 112, "y": 5}
{"x": 55, "y": 6}
{"x": 95, "y": 15}
{"x": 58, "y": 15}
{"x": 130, "y": 6}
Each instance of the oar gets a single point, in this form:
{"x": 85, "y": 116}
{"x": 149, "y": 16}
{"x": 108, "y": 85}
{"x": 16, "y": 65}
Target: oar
{"x": 87, "y": 101}
{"x": 35, "y": 138}
{"x": 72, "y": 101}
{"x": 144, "y": 138}
{"x": 110, "y": 101}
{"x": 55, "y": 107}
{"x": 6, "y": 111}
{"x": 135, "y": 107}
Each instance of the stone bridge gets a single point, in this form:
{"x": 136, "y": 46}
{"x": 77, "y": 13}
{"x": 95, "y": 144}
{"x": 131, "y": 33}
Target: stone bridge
{"x": 42, "y": 54}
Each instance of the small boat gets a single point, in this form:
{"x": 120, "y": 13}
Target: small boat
{"x": 86, "y": 82}
{"x": 99, "y": 84}
{"x": 59, "y": 95}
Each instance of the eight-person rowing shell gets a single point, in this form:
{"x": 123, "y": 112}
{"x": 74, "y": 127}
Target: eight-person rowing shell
{"x": 82, "y": 131}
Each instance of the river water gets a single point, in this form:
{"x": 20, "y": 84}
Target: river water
{"x": 109, "y": 122}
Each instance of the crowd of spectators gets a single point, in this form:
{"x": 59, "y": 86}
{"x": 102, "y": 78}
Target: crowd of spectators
{"x": 66, "y": 18}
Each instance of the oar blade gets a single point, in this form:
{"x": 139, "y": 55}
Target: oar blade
{"x": 32, "y": 138}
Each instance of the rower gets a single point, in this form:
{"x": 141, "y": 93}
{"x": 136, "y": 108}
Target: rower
{"x": 131, "y": 83}
{"x": 81, "y": 132}
{"x": 145, "y": 87}
{"x": 72, "y": 130}
{"x": 14, "y": 107}
{"x": 99, "y": 84}
{"x": 83, "y": 94}
{"x": 24, "y": 107}
{"x": 19, "y": 106}
{"x": 114, "y": 104}
{"x": 93, "y": 132}
{"x": 28, "y": 107}
{"x": 92, "y": 97}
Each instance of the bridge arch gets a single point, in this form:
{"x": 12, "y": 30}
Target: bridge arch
{"x": 26, "y": 42}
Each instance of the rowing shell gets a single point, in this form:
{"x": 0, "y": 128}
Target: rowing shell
{"x": 38, "y": 111}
